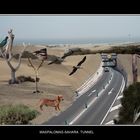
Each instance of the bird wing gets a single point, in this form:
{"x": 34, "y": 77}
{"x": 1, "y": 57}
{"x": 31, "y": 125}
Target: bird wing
{"x": 82, "y": 61}
{"x": 73, "y": 71}
{"x": 3, "y": 43}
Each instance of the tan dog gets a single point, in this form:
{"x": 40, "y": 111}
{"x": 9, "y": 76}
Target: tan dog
{"x": 49, "y": 102}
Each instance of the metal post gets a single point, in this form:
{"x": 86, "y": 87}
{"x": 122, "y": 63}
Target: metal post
{"x": 76, "y": 93}
{"x": 97, "y": 94}
{"x": 66, "y": 123}
{"x": 86, "y": 105}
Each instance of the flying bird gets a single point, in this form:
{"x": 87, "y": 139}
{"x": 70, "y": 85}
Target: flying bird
{"x": 4, "y": 42}
{"x": 75, "y": 68}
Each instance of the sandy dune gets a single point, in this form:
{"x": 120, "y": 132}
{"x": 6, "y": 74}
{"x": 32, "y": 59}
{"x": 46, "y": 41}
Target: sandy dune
{"x": 126, "y": 61}
{"x": 54, "y": 79}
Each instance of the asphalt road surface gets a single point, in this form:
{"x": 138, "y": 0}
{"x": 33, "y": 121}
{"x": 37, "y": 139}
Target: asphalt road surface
{"x": 91, "y": 108}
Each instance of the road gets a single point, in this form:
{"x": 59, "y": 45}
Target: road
{"x": 92, "y": 107}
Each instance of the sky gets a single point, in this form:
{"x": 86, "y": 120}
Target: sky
{"x": 70, "y": 26}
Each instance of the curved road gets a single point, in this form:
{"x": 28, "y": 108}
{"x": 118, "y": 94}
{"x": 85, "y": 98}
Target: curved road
{"x": 92, "y": 107}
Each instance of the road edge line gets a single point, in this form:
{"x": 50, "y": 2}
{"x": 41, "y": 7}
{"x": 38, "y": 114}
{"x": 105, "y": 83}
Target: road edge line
{"x": 121, "y": 89}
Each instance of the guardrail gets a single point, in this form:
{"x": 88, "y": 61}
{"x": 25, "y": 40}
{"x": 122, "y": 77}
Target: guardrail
{"x": 88, "y": 104}
{"x": 91, "y": 81}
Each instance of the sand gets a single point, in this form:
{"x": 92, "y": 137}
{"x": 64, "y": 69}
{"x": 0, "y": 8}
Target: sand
{"x": 54, "y": 79}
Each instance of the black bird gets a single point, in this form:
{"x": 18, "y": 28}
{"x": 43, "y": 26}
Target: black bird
{"x": 75, "y": 68}
{"x": 4, "y": 42}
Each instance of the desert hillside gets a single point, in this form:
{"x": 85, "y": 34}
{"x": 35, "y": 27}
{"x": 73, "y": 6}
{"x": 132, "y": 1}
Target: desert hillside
{"x": 54, "y": 80}
{"x": 126, "y": 61}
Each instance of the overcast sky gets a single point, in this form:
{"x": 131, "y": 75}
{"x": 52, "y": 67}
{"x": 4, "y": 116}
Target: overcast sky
{"x": 55, "y": 27}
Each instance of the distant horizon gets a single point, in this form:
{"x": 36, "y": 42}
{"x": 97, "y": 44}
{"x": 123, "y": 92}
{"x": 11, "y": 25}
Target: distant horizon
{"x": 84, "y": 38}
{"x": 53, "y": 41}
{"x": 70, "y": 27}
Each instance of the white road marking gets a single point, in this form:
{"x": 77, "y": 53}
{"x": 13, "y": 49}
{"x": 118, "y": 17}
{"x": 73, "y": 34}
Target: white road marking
{"x": 115, "y": 107}
{"x": 100, "y": 92}
{"x": 110, "y": 91}
{"x": 77, "y": 117}
{"x": 110, "y": 122}
{"x": 91, "y": 81}
{"x": 91, "y": 92}
{"x": 119, "y": 97}
{"x": 88, "y": 105}
{"x": 121, "y": 89}
{"x": 92, "y": 102}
